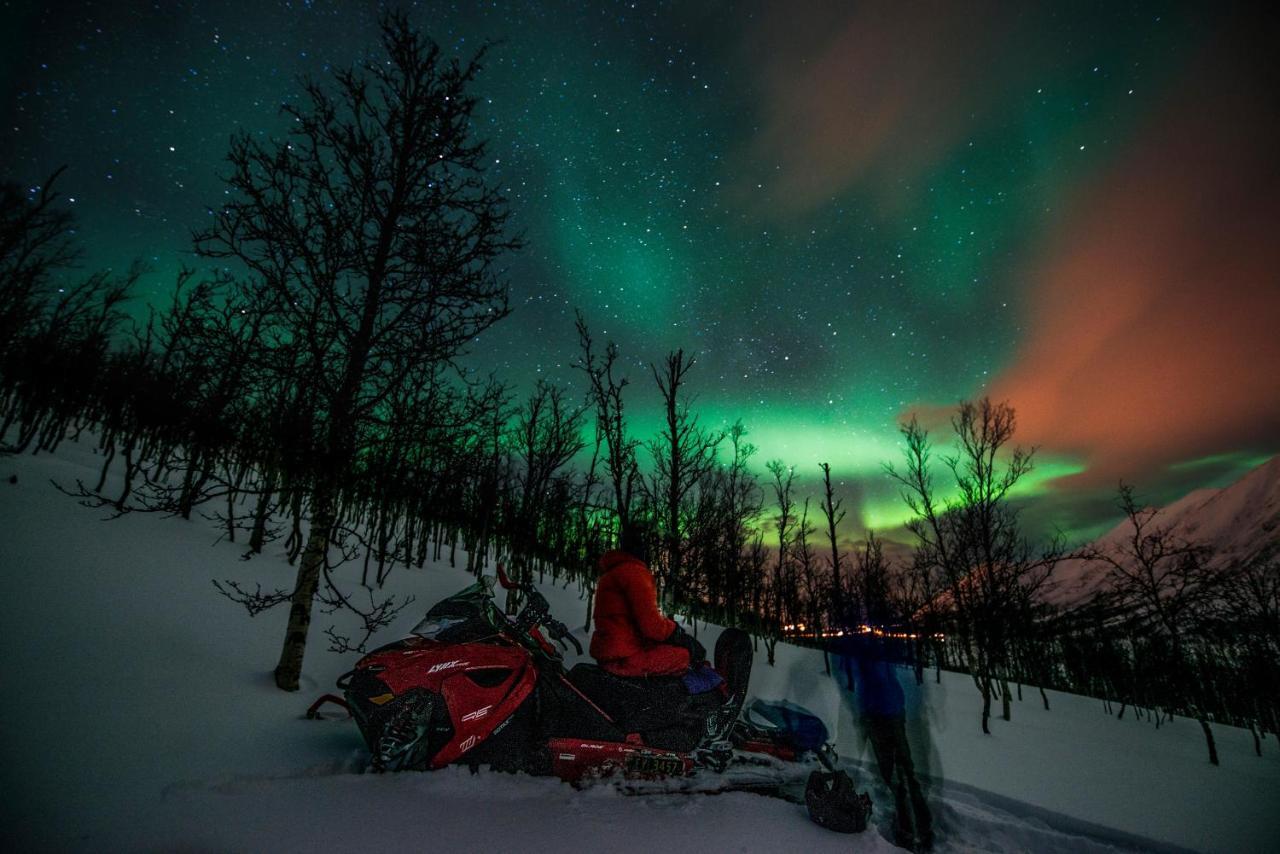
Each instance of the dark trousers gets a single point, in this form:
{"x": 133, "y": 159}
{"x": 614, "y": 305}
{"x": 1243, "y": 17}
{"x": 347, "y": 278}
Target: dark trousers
{"x": 661, "y": 659}
{"x": 893, "y": 756}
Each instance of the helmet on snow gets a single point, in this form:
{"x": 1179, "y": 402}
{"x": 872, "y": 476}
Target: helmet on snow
{"x": 834, "y": 804}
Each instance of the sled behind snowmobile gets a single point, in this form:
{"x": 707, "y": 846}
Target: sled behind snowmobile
{"x": 783, "y": 729}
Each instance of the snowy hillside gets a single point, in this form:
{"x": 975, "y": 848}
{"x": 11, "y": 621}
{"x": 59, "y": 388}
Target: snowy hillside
{"x": 1234, "y": 521}
{"x": 141, "y": 715}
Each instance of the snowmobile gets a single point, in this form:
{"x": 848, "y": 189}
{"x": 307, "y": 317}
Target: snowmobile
{"x": 473, "y": 686}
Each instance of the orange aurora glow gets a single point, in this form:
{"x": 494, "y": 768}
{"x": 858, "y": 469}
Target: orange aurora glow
{"x": 1153, "y": 333}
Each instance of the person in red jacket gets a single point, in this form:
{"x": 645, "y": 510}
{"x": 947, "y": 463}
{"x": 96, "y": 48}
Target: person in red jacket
{"x": 632, "y": 637}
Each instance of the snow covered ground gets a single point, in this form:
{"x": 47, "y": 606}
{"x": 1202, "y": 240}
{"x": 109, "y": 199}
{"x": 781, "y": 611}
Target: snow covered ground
{"x": 140, "y": 715}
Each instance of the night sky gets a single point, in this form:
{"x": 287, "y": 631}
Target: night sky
{"x": 847, "y": 211}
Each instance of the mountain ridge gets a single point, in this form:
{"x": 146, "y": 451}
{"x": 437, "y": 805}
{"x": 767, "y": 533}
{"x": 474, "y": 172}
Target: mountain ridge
{"x": 1235, "y": 522}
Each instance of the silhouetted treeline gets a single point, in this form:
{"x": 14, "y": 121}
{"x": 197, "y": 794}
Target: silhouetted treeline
{"x": 1166, "y": 627}
{"x": 308, "y": 391}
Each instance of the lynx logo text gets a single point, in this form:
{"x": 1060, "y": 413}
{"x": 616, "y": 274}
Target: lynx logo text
{"x": 446, "y": 665}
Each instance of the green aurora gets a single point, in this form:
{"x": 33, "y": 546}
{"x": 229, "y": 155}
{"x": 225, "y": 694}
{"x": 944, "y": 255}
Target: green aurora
{"x": 650, "y": 170}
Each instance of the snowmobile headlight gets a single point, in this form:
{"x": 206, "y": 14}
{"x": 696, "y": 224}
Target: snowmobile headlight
{"x": 431, "y": 627}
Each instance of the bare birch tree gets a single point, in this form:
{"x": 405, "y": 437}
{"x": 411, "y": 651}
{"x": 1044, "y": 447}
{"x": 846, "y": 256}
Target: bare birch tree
{"x": 373, "y": 222}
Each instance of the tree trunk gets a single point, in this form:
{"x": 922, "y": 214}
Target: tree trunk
{"x": 295, "y": 538}
{"x": 1005, "y": 697}
{"x": 410, "y": 538}
{"x": 1208, "y": 737}
{"x": 1045, "y": 697}
{"x": 129, "y": 470}
{"x": 28, "y": 432}
{"x": 186, "y": 498}
{"x": 259, "y": 535}
{"x": 289, "y": 669}
{"x": 55, "y": 429}
{"x": 986, "y": 706}
{"x": 591, "y": 600}
{"x": 232, "y": 491}
{"x": 424, "y": 543}
{"x": 106, "y": 466}
{"x": 9, "y": 418}
{"x": 364, "y": 573}
{"x": 384, "y": 568}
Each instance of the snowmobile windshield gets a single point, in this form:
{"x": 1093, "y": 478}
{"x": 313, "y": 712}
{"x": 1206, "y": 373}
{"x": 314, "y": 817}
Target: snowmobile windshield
{"x": 432, "y": 628}
{"x": 468, "y": 607}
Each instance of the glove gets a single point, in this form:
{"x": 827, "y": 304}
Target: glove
{"x": 681, "y": 638}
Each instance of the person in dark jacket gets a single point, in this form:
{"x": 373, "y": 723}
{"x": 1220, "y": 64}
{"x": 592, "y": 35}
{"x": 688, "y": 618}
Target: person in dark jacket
{"x": 871, "y": 666}
{"x": 632, "y": 637}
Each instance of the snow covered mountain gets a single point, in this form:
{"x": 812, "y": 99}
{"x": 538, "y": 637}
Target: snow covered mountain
{"x": 1235, "y": 522}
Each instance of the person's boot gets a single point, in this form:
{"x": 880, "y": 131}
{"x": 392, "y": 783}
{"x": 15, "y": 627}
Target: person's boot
{"x": 923, "y": 817}
{"x": 904, "y": 834}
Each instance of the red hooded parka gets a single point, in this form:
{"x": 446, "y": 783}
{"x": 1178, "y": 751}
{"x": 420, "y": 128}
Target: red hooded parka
{"x": 630, "y": 629}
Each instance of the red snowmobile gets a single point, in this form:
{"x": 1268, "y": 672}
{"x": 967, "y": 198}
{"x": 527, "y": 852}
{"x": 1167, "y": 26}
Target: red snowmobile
{"x": 473, "y": 686}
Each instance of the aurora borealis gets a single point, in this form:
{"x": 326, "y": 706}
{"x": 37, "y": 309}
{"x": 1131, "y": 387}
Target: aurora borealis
{"x": 848, "y": 211}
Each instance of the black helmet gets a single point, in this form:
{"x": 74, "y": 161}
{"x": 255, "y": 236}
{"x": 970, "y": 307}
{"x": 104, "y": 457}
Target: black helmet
{"x": 635, "y": 539}
{"x": 834, "y": 804}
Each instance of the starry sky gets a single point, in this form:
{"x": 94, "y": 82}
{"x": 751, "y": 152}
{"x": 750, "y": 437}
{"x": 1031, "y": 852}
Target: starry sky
{"x": 847, "y": 211}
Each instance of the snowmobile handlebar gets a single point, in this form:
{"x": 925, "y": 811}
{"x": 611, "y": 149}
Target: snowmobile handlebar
{"x": 538, "y": 612}
{"x": 503, "y": 579}
{"x": 560, "y": 633}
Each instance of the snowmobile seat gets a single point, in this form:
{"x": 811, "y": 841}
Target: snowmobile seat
{"x": 621, "y": 696}
{"x": 660, "y": 708}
